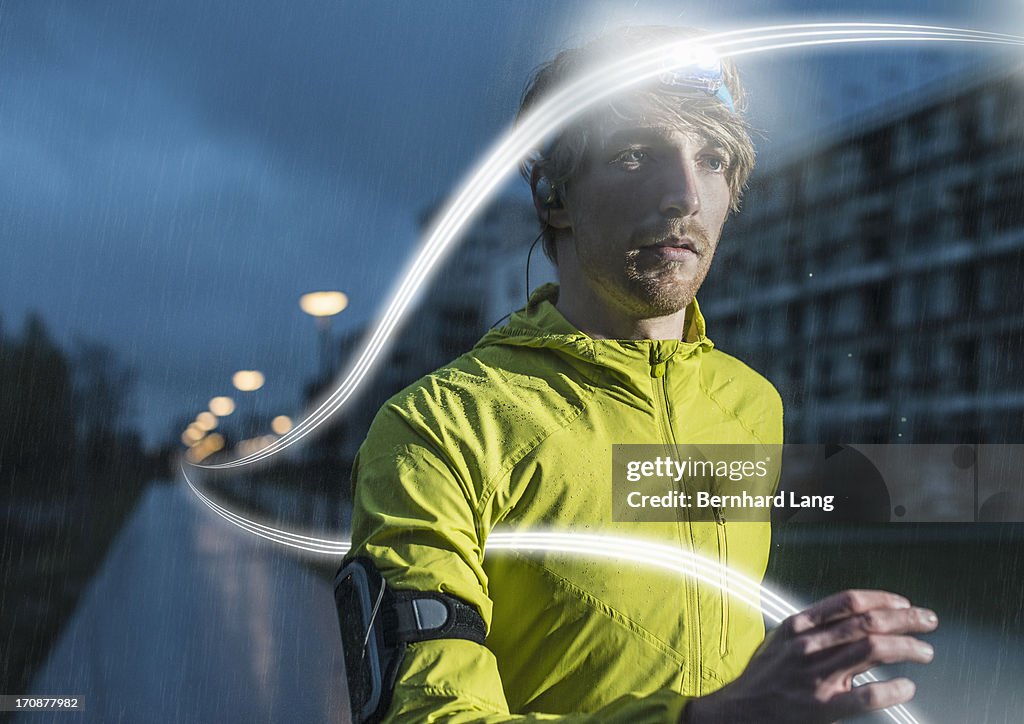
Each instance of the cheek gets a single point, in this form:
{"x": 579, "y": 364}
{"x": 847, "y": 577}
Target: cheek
{"x": 721, "y": 193}
{"x": 715, "y": 205}
{"x": 611, "y": 209}
{"x": 596, "y": 217}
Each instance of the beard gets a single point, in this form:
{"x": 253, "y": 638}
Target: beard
{"x": 661, "y": 287}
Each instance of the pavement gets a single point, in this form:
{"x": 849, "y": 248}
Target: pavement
{"x": 191, "y": 619}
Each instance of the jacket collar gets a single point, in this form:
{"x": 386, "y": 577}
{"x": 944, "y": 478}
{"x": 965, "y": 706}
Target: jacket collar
{"x": 541, "y": 325}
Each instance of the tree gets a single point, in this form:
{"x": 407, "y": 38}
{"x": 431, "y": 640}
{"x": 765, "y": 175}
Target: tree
{"x": 37, "y": 421}
{"x": 103, "y": 391}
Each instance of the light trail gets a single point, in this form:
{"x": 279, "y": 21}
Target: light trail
{"x": 730, "y": 582}
{"x": 552, "y": 115}
{"x": 479, "y": 186}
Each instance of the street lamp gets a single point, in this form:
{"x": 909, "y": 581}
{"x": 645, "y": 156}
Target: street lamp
{"x": 323, "y": 306}
{"x": 248, "y": 380}
{"x": 281, "y": 424}
{"x": 206, "y": 421}
{"x": 222, "y": 406}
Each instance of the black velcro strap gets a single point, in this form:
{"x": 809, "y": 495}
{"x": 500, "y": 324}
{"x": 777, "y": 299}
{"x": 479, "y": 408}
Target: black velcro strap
{"x": 420, "y": 616}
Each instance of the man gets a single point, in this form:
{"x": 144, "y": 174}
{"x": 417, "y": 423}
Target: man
{"x": 517, "y": 433}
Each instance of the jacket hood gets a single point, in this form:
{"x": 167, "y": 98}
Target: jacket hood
{"x": 541, "y": 325}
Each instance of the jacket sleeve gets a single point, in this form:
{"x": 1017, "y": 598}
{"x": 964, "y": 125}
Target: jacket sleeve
{"x": 416, "y": 514}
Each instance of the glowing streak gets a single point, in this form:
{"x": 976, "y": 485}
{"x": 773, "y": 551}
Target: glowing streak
{"x": 548, "y": 118}
{"x": 732, "y": 583}
{"x": 554, "y": 114}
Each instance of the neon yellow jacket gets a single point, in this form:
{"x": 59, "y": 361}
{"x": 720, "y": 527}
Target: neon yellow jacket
{"x": 517, "y": 433}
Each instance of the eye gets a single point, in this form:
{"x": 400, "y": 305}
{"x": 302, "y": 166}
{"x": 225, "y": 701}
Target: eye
{"x": 715, "y": 163}
{"x": 632, "y": 157}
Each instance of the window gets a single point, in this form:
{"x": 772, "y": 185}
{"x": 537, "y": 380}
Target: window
{"x": 908, "y": 302}
{"x": 850, "y": 167}
{"x": 878, "y": 151}
{"x": 795, "y": 318}
{"x": 874, "y": 374}
{"x": 907, "y": 146}
{"x": 823, "y": 375}
{"x": 876, "y": 231}
{"x": 999, "y": 284}
{"x": 988, "y": 114}
{"x": 968, "y": 208}
{"x": 942, "y": 131}
{"x": 942, "y": 295}
{"x": 794, "y": 259}
{"x": 848, "y": 313}
{"x": 1005, "y": 358}
{"x": 1005, "y": 210}
{"x": 967, "y": 287}
{"x": 1011, "y": 109}
{"x": 965, "y": 359}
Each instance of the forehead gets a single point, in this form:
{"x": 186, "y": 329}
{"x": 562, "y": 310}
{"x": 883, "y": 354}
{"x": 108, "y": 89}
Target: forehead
{"x": 679, "y": 135}
{"x": 652, "y": 119}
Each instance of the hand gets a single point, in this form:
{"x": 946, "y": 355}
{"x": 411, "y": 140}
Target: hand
{"x": 803, "y": 672}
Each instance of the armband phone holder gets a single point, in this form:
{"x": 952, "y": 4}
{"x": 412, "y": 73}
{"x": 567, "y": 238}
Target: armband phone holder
{"x": 377, "y": 623}
{"x": 355, "y": 599}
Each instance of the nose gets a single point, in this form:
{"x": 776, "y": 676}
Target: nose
{"x": 681, "y": 197}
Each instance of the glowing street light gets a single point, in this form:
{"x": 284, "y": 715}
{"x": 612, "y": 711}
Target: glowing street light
{"x": 248, "y": 380}
{"x": 205, "y": 448}
{"x": 322, "y": 306}
{"x": 206, "y": 421}
{"x": 222, "y": 406}
{"x": 281, "y": 424}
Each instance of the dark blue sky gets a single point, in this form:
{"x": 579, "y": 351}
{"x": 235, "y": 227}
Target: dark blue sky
{"x": 176, "y": 173}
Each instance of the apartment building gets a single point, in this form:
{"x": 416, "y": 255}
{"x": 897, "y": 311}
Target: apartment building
{"x": 876, "y": 276}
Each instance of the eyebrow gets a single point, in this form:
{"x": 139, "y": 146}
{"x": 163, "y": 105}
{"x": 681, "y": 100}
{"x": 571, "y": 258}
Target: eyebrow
{"x": 632, "y": 135}
{"x": 645, "y": 134}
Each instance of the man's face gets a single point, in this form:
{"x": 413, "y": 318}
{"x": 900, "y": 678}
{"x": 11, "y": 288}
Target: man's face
{"x": 646, "y": 210}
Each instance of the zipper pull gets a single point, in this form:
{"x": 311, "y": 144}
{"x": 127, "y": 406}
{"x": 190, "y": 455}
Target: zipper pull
{"x": 657, "y": 365}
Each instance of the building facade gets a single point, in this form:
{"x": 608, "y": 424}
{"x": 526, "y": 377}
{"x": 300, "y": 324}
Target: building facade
{"x": 875, "y": 277}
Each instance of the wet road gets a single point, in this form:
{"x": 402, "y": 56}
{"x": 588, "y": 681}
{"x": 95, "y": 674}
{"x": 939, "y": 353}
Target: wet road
{"x": 192, "y": 620}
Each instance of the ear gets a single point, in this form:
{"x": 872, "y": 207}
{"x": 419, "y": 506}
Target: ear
{"x": 548, "y": 201}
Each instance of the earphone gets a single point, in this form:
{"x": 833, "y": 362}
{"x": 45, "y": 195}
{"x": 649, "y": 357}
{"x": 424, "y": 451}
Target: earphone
{"x": 547, "y": 193}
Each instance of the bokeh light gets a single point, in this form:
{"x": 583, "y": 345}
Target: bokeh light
{"x": 281, "y": 424}
{"x": 206, "y": 421}
{"x": 323, "y": 304}
{"x": 222, "y": 406}
{"x": 248, "y": 380}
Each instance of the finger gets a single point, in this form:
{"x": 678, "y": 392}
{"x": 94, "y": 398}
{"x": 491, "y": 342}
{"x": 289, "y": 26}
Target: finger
{"x": 870, "y": 697}
{"x": 842, "y": 605}
{"x": 844, "y": 662}
{"x": 858, "y": 626}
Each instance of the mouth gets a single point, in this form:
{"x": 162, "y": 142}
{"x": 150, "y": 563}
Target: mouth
{"x": 682, "y": 244}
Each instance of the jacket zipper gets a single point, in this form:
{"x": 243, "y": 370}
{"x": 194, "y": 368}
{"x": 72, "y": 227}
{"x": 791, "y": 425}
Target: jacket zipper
{"x": 723, "y": 562}
{"x": 659, "y": 371}
{"x": 659, "y": 375}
